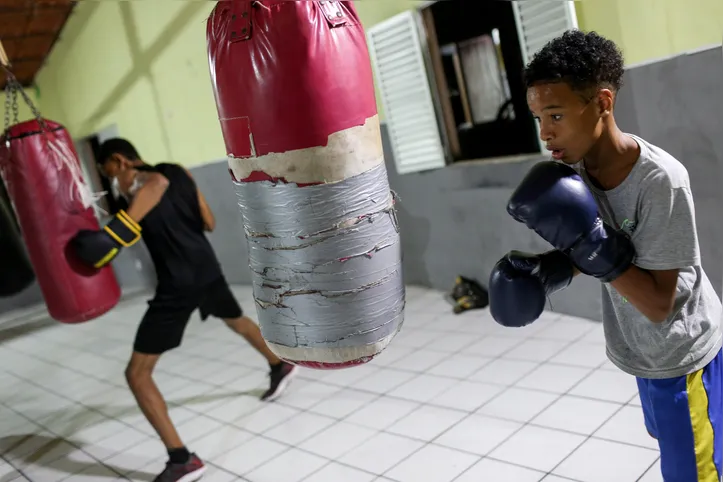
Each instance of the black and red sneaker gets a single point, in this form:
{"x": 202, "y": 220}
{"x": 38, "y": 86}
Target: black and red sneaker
{"x": 191, "y": 471}
{"x": 280, "y": 375}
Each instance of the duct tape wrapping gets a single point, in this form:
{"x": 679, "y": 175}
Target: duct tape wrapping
{"x": 295, "y": 96}
{"x": 326, "y": 262}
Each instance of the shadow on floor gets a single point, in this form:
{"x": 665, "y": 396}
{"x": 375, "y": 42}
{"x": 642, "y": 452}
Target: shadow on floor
{"x": 41, "y": 453}
{"x": 23, "y": 450}
{"x": 25, "y": 328}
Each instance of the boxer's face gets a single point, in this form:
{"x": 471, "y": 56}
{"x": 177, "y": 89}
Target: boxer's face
{"x": 120, "y": 171}
{"x": 114, "y": 165}
{"x": 570, "y": 122}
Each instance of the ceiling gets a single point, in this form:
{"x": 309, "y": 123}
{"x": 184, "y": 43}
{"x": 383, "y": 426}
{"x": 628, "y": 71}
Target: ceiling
{"x": 28, "y": 31}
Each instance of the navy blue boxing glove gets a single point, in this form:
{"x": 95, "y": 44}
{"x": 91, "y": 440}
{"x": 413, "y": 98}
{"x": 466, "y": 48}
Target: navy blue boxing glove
{"x": 521, "y": 282}
{"x": 554, "y": 201}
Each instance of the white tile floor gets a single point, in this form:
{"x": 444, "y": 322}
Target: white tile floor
{"x": 455, "y": 398}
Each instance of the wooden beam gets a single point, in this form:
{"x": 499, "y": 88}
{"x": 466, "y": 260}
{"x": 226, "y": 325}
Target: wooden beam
{"x": 4, "y": 56}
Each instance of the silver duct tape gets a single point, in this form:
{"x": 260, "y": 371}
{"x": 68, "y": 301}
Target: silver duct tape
{"x": 325, "y": 260}
{"x": 285, "y": 210}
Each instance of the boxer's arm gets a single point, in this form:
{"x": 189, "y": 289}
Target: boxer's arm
{"x": 148, "y": 195}
{"x": 98, "y": 248}
{"x": 665, "y": 241}
{"x": 651, "y": 292}
{"x": 209, "y": 221}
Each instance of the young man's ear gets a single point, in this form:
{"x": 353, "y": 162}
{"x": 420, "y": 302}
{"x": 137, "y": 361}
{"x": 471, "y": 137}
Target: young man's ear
{"x": 605, "y": 100}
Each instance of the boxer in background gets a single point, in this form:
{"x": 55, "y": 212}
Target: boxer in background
{"x": 168, "y": 211}
{"x": 620, "y": 209}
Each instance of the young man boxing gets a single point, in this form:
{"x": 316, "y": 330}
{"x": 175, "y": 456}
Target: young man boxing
{"x": 620, "y": 209}
{"x": 170, "y": 214}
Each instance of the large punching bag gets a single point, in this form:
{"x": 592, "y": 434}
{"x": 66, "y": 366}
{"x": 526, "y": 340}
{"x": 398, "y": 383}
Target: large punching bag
{"x": 295, "y": 96}
{"x": 16, "y": 272}
{"x": 42, "y": 171}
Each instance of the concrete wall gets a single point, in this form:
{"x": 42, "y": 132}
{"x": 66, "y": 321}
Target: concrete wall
{"x": 453, "y": 220}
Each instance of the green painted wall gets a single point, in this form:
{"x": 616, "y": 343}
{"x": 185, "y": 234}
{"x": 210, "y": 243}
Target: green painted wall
{"x": 24, "y": 112}
{"x": 372, "y": 12}
{"x": 651, "y": 29}
{"x": 142, "y": 65}
{"x": 601, "y": 16}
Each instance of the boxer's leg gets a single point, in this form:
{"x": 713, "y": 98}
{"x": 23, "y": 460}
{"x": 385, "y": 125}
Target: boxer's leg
{"x": 162, "y": 330}
{"x": 139, "y": 375}
{"x": 687, "y": 414}
{"x": 245, "y": 326}
{"x": 280, "y": 373}
{"x": 220, "y": 302}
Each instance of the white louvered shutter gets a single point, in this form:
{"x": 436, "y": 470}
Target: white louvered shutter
{"x": 395, "y": 47}
{"x": 540, "y": 21}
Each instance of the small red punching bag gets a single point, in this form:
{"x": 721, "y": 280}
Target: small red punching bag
{"x": 44, "y": 180}
{"x": 295, "y": 96}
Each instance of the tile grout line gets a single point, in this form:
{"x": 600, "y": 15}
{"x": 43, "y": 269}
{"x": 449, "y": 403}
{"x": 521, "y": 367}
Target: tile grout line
{"x": 590, "y": 436}
{"x": 527, "y": 423}
{"x": 648, "y": 469}
{"x": 427, "y": 443}
{"x": 450, "y": 354}
{"x": 377, "y": 395}
{"x": 376, "y": 431}
{"x": 63, "y": 437}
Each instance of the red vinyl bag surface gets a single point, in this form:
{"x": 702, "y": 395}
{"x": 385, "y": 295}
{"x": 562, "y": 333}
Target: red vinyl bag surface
{"x": 297, "y": 71}
{"x": 50, "y": 212}
{"x": 295, "y": 95}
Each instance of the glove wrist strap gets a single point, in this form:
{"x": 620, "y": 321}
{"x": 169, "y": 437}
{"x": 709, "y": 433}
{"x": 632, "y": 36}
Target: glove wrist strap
{"x": 123, "y": 229}
{"x": 616, "y": 249}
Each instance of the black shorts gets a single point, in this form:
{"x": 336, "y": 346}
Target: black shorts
{"x": 162, "y": 326}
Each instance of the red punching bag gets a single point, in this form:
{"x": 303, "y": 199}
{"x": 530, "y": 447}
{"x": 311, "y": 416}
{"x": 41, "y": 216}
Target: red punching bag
{"x": 295, "y": 96}
{"x": 44, "y": 180}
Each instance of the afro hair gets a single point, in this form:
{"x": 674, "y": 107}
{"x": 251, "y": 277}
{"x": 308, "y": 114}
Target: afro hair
{"x": 582, "y": 60}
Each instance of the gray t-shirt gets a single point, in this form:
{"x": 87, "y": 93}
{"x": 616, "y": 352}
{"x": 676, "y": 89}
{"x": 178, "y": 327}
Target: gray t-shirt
{"x": 654, "y": 205}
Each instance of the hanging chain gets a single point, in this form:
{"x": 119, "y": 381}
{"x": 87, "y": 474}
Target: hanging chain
{"x": 16, "y": 110}
{"x": 8, "y": 101}
{"x": 12, "y": 87}
{"x": 11, "y": 104}
{"x": 63, "y": 154}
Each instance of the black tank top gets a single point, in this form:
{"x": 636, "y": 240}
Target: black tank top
{"x": 174, "y": 235}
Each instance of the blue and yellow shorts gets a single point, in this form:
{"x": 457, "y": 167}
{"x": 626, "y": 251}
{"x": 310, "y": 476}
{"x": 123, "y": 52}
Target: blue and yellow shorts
{"x": 685, "y": 415}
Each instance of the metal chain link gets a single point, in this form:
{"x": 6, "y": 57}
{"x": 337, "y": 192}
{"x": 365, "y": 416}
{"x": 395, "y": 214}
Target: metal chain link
{"x": 7, "y": 107}
{"x": 10, "y": 104}
{"x": 10, "y": 101}
{"x": 16, "y": 110}
{"x": 12, "y": 87}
